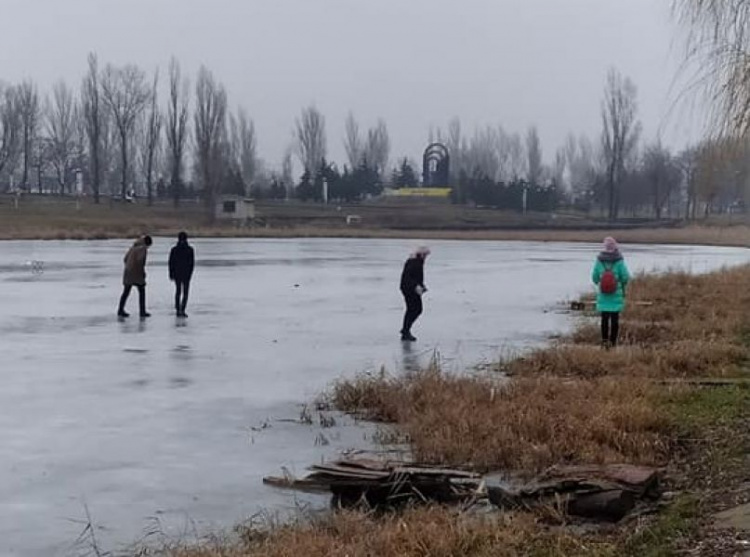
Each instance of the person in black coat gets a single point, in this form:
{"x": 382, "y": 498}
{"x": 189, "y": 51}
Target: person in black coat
{"x": 412, "y": 287}
{"x": 181, "y": 265}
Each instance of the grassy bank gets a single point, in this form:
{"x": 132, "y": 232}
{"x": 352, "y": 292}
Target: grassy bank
{"x": 44, "y": 218}
{"x": 664, "y": 398}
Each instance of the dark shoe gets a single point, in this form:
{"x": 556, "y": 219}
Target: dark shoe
{"x": 408, "y": 337}
{"x": 123, "y": 314}
{"x": 606, "y": 345}
{"x": 145, "y": 315}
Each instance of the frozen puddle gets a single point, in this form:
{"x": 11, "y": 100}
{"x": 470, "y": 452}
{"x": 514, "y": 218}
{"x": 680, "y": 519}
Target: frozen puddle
{"x": 179, "y": 421}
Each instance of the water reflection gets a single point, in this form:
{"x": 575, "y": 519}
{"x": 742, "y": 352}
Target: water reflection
{"x": 409, "y": 357}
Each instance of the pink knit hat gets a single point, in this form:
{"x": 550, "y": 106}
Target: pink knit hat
{"x": 610, "y": 245}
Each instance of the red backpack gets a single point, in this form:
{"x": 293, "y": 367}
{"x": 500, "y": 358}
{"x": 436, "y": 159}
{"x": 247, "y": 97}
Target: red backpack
{"x": 608, "y": 282}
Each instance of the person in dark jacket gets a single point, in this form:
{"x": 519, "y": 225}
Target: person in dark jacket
{"x": 135, "y": 275}
{"x": 181, "y": 265}
{"x": 412, "y": 287}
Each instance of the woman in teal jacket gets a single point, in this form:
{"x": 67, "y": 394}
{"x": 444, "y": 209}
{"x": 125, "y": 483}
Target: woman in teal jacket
{"x": 610, "y": 300}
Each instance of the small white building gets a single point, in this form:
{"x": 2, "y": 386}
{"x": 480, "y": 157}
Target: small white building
{"x": 235, "y": 208}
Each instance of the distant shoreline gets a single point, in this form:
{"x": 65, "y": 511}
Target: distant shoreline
{"x": 62, "y": 218}
{"x": 734, "y": 236}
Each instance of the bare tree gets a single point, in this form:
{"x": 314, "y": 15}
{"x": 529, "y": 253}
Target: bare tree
{"x": 718, "y": 45}
{"x": 10, "y": 124}
{"x": 534, "y": 156}
{"x": 310, "y": 135}
{"x": 177, "y": 122}
{"x": 620, "y": 133}
{"x": 353, "y": 142}
{"x": 580, "y": 159}
{"x": 244, "y": 146}
{"x": 663, "y": 176}
{"x": 286, "y": 171}
{"x": 688, "y": 161}
{"x": 93, "y": 115}
{"x": 60, "y": 116}
{"x": 126, "y": 95}
{"x": 80, "y": 141}
{"x": 456, "y": 148}
{"x": 481, "y": 157}
{"x": 151, "y": 139}
{"x": 210, "y": 127}
{"x": 712, "y": 170}
{"x": 518, "y": 164}
{"x": 559, "y": 168}
{"x": 30, "y": 112}
{"x": 108, "y": 151}
{"x": 378, "y": 148}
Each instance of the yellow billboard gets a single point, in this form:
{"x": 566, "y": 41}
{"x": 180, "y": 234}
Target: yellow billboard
{"x": 421, "y": 192}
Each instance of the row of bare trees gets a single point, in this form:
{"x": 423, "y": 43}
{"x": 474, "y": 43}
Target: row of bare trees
{"x": 117, "y": 133}
{"x": 114, "y": 129}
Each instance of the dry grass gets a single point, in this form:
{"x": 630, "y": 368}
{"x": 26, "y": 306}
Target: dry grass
{"x": 679, "y": 359}
{"x": 525, "y": 425}
{"x": 676, "y": 325}
{"x": 431, "y": 532}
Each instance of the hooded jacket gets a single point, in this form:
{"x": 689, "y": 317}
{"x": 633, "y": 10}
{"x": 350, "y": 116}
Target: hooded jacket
{"x": 135, "y": 264}
{"x": 615, "y": 302}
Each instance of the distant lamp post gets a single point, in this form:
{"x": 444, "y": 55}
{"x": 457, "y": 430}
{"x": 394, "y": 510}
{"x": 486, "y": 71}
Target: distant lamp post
{"x": 79, "y": 187}
{"x": 525, "y": 195}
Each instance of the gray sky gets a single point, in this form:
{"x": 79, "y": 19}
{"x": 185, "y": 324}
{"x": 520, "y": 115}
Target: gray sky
{"x": 415, "y": 63}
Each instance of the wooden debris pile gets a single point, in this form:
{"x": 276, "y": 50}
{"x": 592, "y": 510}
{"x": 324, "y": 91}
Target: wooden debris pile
{"x": 378, "y": 484}
{"x": 606, "y": 493}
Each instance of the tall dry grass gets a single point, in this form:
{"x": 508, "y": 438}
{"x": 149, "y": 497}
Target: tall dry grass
{"x": 524, "y": 425}
{"x": 675, "y": 325}
{"x": 433, "y": 532}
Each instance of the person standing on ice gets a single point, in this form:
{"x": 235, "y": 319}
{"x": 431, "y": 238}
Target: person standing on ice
{"x": 412, "y": 287}
{"x": 135, "y": 275}
{"x": 181, "y": 265}
{"x": 611, "y": 276}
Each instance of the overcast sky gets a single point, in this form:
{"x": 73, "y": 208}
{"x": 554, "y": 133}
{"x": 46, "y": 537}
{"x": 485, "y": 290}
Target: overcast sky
{"x": 415, "y": 63}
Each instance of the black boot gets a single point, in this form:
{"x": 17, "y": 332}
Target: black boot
{"x": 142, "y": 302}
{"x": 406, "y": 336}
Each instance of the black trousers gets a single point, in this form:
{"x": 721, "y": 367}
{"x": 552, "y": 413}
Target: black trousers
{"x": 610, "y": 327}
{"x": 141, "y": 298}
{"x": 181, "y": 294}
{"x": 413, "y": 310}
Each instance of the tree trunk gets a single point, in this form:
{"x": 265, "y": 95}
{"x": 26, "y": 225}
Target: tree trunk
{"x": 176, "y": 185}
{"x": 97, "y": 171}
{"x": 124, "y": 150}
{"x": 611, "y": 180}
{"x": 26, "y": 149}
{"x": 149, "y": 185}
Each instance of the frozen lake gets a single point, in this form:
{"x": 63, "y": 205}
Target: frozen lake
{"x": 162, "y": 419}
